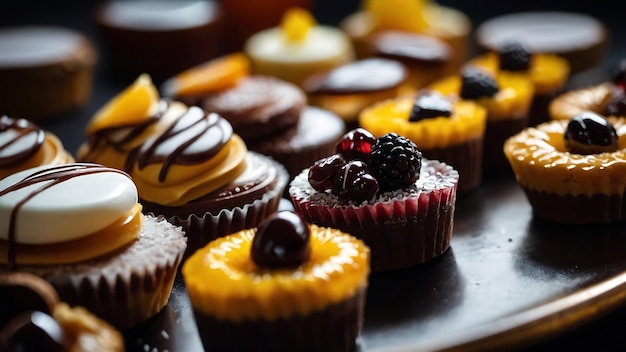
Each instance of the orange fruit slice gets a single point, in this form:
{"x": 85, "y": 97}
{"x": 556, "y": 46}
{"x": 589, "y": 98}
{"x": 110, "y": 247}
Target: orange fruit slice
{"x": 212, "y": 76}
{"x": 133, "y": 105}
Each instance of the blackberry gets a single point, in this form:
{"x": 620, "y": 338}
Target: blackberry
{"x": 477, "y": 84}
{"x": 514, "y": 57}
{"x": 395, "y": 162}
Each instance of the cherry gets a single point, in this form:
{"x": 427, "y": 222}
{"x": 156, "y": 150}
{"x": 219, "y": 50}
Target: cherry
{"x": 429, "y": 104}
{"x": 616, "y": 106}
{"x": 354, "y": 182}
{"x": 282, "y": 240}
{"x": 356, "y": 144}
{"x": 322, "y": 172}
{"x": 32, "y": 331}
{"x": 590, "y": 133}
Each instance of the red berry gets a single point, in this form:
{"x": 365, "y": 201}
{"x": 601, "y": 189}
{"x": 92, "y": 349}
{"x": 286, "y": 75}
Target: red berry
{"x": 356, "y": 144}
{"x": 322, "y": 172}
{"x": 354, "y": 182}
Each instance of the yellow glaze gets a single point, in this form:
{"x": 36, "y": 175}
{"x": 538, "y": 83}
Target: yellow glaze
{"x": 51, "y": 152}
{"x": 541, "y": 162}
{"x": 574, "y": 102}
{"x": 406, "y": 15}
{"x": 224, "y": 282}
{"x": 120, "y": 233}
{"x": 549, "y": 73}
{"x": 467, "y": 122}
{"x": 512, "y": 100}
{"x": 296, "y": 24}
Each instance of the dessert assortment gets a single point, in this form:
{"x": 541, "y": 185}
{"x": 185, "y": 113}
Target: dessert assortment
{"x": 370, "y": 130}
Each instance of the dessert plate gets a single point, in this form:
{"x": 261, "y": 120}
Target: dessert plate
{"x": 508, "y": 279}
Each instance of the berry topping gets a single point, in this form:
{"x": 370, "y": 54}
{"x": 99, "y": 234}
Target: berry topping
{"x": 354, "y": 182}
{"x": 32, "y": 331}
{"x": 514, "y": 57}
{"x": 616, "y": 106}
{"x": 477, "y": 83}
{"x": 323, "y": 171}
{"x": 589, "y": 133}
{"x": 356, "y": 144}
{"x": 619, "y": 77}
{"x": 429, "y": 104}
{"x": 395, "y": 161}
{"x": 281, "y": 241}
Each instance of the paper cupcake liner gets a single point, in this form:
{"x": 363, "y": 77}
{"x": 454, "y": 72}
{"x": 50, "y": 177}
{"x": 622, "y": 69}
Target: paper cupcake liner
{"x": 127, "y": 287}
{"x": 335, "y": 328}
{"x": 401, "y": 230}
{"x": 577, "y": 209}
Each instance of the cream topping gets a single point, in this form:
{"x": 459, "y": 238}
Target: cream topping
{"x": 25, "y": 46}
{"x": 76, "y": 207}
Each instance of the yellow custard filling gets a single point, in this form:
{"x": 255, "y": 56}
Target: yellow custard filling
{"x": 120, "y": 233}
{"x": 541, "y": 162}
{"x": 467, "y": 122}
{"x": 548, "y": 73}
{"x": 511, "y": 101}
{"x": 223, "y": 281}
{"x": 51, "y": 152}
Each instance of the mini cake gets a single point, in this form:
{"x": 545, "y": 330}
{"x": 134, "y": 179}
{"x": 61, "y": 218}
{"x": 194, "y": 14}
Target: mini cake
{"x": 297, "y": 48}
{"x": 572, "y": 171}
{"x": 506, "y": 97}
{"x": 421, "y": 17}
{"x": 50, "y": 70}
{"x": 285, "y": 285}
{"x": 79, "y": 226}
{"x": 160, "y": 38}
{"x": 426, "y": 58}
{"x": 271, "y": 115}
{"x": 445, "y": 128}
{"x": 382, "y": 192}
{"x": 348, "y": 89}
{"x": 33, "y": 319}
{"x": 188, "y": 164}
{"x": 23, "y": 144}
{"x": 606, "y": 98}
{"x": 580, "y": 38}
{"x": 548, "y": 72}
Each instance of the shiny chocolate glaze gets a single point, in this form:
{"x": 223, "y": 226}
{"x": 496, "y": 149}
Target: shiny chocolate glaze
{"x": 27, "y": 141}
{"x": 56, "y": 175}
{"x": 411, "y": 48}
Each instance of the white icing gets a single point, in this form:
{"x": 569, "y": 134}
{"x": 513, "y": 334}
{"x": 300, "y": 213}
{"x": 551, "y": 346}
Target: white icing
{"x": 68, "y": 210}
{"x": 9, "y": 146}
{"x": 321, "y": 42}
{"x": 25, "y": 46}
{"x": 159, "y": 15}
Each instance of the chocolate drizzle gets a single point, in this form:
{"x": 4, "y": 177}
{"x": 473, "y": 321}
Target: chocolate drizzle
{"x": 56, "y": 175}
{"x": 27, "y": 132}
{"x": 194, "y": 137}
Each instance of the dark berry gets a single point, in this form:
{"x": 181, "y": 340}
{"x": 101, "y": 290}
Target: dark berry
{"x": 514, "y": 57}
{"x": 429, "y": 104}
{"x": 32, "y": 331}
{"x": 476, "y": 83}
{"x": 590, "y": 133}
{"x": 322, "y": 172}
{"x": 356, "y": 144}
{"x": 395, "y": 161}
{"x": 616, "y": 105}
{"x": 619, "y": 76}
{"x": 354, "y": 182}
{"x": 281, "y": 241}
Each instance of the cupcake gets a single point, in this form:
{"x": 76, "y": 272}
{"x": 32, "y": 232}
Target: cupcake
{"x": 572, "y": 171}
{"x": 160, "y": 38}
{"x": 285, "y": 285}
{"x": 444, "y": 128}
{"x": 422, "y": 17}
{"x": 607, "y": 98}
{"x": 79, "y": 227}
{"x": 383, "y": 192}
{"x": 350, "y": 88}
{"x": 23, "y": 144}
{"x": 50, "y": 70}
{"x": 298, "y": 48}
{"x": 505, "y": 96}
{"x": 33, "y": 319}
{"x": 187, "y": 163}
{"x": 548, "y": 72}
{"x": 271, "y": 115}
